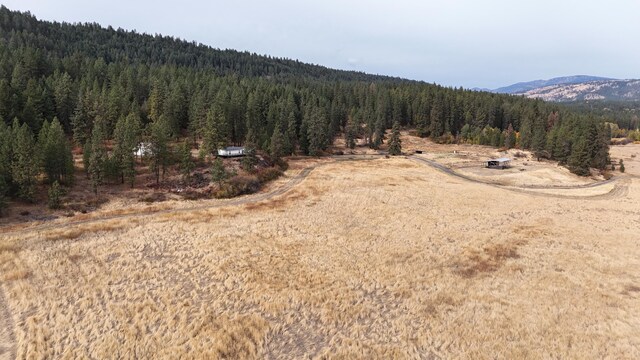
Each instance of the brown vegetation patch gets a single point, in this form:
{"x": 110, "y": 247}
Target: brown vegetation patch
{"x": 153, "y": 197}
{"x": 200, "y": 216}
{"x": 17, "y": 274}
{"x": 632, "y": 288}
{"x": 489, "y": 259}
{"x": 238, "y": 185}
{"x": 276, "y": 203}
{"x": 79, "y": 230}
{"x": 9, "y": 247}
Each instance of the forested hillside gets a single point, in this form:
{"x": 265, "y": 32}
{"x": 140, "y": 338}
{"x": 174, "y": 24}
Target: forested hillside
{"x": 96, "y": 84}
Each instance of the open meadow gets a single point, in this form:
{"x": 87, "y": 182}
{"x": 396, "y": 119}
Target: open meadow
{"x": 384, "y": 258}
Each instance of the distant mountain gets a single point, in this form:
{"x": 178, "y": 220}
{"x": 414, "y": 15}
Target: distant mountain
{"x": 481, "y": 89}
{"x": 611, "y": 90}
{"x": 523, "y": 87}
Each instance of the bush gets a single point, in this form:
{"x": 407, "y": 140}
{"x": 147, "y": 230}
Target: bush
{"x": 238, "y": 185}
{"x": 3, "y": 196}
{"x": 112, "y": 170}
{"x": 54, "y": 195}
{"x": 621, "y": 166}
{"x": 153, "y": 197}
{"x": 621, "y": 141}
{"x": 194, "y": 195}
{"x": 447, "y": 138}
{"x": 3, "y": 203}
{"x": 283, "y": 165}
{"x": 268, "y": 174}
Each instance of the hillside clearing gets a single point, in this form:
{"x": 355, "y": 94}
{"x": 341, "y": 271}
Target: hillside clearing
{"x": 385, "y": 258}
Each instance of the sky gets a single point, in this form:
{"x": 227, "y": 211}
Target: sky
{"x": 467, "y": 43}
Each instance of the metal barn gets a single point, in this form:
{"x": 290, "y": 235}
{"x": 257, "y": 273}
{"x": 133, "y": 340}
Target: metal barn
{"x": 500, "y": 163}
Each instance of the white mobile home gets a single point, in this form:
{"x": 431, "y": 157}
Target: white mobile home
{"x": 231, "y": 151}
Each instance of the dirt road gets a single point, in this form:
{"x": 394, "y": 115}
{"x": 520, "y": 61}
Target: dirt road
{"x": 621, "y": 187}
{"x": 298, "y": 178}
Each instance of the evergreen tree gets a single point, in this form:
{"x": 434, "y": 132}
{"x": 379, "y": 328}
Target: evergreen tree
{"x": 6, "y": 155}
{"x": 289, "y": 113}
{"x": 351, "y": 132}
{"x": 622, "y": 169}
{"x": 56, "y": 157}
{"x": 55, "y": 193}
{"x": 249, "y": 160}
{"x": 159, "y": 147}
{"x": 256, "y": 114}
{"x": 3, "y": 195}
{"x": 526, "y": 131}
{"x": 237, "y": 113}
{"x": 562, "y": 145}
{"x": 218, "y": 172}
{"x": 186, "y": 161}
{"x": 378, "y": 134}
{"x": 539, "y": 141}
{"x": 80, "y": 120}
{"x": 215, "y": 132}
{"x": 395, "y": 144}
{"x": 317, "y": 131}
{"x": 277, "y": 145}
{"x": 510, "y": 137}
{"x": 197, "y": 116}
{"x": 579, "y": 160}
{"x": 436, "y": 126}
{"x": 303, "y": 141}
{"x": 600, "y": 152}
{"x": 157, "y": 99}
{"x": 422, "y": 119}
{"x": 176, "y": 108}
{"x": 24, "y": 165}
{"x": 86, "y": 157}
{"x": 97, "y": 156}
{"x": 63, "y": 95}
{"x": 127, "y": 138}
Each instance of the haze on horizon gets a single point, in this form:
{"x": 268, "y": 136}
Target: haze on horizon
{"x": 454, "y": 43}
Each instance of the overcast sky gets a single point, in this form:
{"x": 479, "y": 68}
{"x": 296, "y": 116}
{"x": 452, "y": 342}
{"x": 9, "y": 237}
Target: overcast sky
{"x": 468, "y": 43}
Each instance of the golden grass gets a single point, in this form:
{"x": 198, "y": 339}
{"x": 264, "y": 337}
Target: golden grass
{"x": 489, "y": 259}
{"x": 74, "y": 232}
{"x": 378, "y": 259}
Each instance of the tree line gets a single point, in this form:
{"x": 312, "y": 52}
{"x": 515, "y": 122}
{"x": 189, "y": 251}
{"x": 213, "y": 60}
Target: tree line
{"x": 100, "y": 85}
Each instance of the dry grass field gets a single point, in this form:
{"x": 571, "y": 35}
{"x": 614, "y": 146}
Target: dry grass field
{"x": 386, "y": 258}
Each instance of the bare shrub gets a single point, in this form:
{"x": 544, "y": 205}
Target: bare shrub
{"x": 191, "y": 194}
{"x": 268, "y": 174}
{"x": 239, "y": 185}
{"x": 153, "y": 197}
{"x": 490, "y": 259}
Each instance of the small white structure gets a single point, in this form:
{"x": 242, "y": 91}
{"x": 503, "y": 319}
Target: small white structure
{"x": 231, "y": 151}
{"x": 500, "y": 163}
{"x": 143, "y": 149}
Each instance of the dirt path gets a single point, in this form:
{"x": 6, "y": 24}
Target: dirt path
{"x": 235, "y": 202}
{"x": 7, "y": 335}
{"x": 620, "y": 188}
